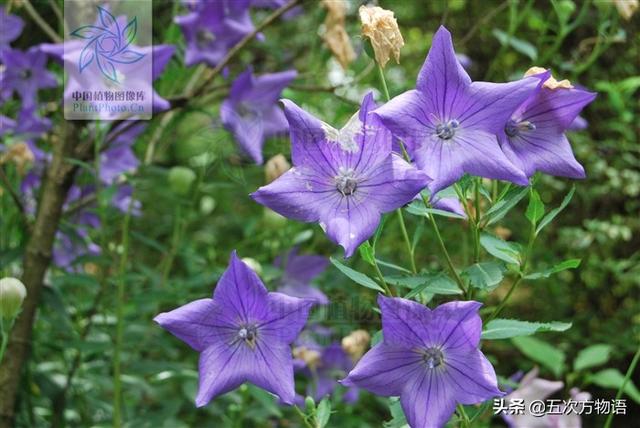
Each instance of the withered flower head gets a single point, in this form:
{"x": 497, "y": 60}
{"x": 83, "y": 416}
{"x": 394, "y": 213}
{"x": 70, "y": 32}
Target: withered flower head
{"x": 275, "y": 167}
{"x": 551, "y": 82}
{"x": 356, "y": 343}
{"x": 380, "y": 26}
{"x": 335, "y": 34}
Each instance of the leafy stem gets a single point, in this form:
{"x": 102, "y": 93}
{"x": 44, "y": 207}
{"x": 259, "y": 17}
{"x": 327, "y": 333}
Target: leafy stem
{"x": 627, "y": 377}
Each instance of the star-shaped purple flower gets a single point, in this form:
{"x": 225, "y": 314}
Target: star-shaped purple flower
{"x": 12, "y": 26}
{"x": 533, "y": 137}
{"x": 212, "y": 28}
{"x": 298, "y": 272}
{"x": 449, "y": 123}
{"x": 25, "y": 72}
{"x": 243, "y": 334}
{"x": 343, "y": 179}
{"x": 430, "y": 358}
{"x": 251, "y": 113}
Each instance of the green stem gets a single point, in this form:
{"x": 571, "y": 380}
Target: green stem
{"x": 463, "y": 415}
{"x": 175, "y": 241}
{"x": 5, "y": 338}
{"x": 117, "y": 385}
{"x": 385, "y": 89}
{"x": 381, "y": 278}
{"x": 627, "y": 377}
{"x": 503, "y": 303}
{"x": 476, "y": 222}
{"x": 407, "y": 241}
{"x": 443, "y": 248}
{"x": 303, "y": 416}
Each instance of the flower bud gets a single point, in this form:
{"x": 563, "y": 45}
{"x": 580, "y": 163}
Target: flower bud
{"x": 12, "y": 294}
{"x": 275, "y": 167}
{"x": 181, "y": 179}
{"x": 551, "y": 82}
{"x": 20, "y": 154}
{"x": 310, "y": 404}
{"x": 626, "y": 8}
{"x": 356, "y": 343}
{"x": 207, "y": 205}
{"x": 380, "y": 26}
{"x": 311, "y": 357}
{"x": 272, "y": 219}
{"x": 253, "y": 264}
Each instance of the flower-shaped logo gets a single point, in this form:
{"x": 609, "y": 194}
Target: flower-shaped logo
{"x": 107, "y": 44}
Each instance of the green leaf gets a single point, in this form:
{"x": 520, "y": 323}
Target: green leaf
{"x": 567, "y": 264}
{"x": 591, "y": 356}
{"x": 434, "y": 283}
{"x": 323, "y": 412}
{"x": 485, "y": 275}
{"x": 535, "y": 209}
{"x": 505, "y": 328}
{"x": 367, "y": 253}
{"x": 541, "y": 352}
{"x": 499, "y": 248}
{"x": 392, "y": 266}
{"x": 504, "y": 205}
{"x": 613, "y": 379}
{"x": 356, "y": 276}
{"x": 554, "y": 212}
{"x": 418, "y": 208}
{"x": 518, "y": 45}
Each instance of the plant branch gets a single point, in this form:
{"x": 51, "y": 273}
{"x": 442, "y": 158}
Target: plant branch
{"x": 41, "y": 22}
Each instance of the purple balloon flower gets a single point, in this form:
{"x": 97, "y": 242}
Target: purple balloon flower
{"x": 251, "y": 112}
{"x": 450, "y": 123}
{"x": 298, "y": 273}
{"x": 334, "y": 365}
{"x": 343, "y": 179}
{"x": 533, "y": 138}
{"x": 12, "y": 26}
{"x": 243, "y": 334}
{"x": 212, "y": 28}
{"x": 430, "y": 358}
{"x": 25, "y": 73}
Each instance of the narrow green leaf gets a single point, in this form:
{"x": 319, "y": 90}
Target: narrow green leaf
{"x": 323, "y": 412}
{"x": 504, "y": 205}
{"x": 591, "y": 356}
{"x": 418, "y": 208}
{"x": 506, "y": 328}
{"x": 613, "y": 379}
{"x": 535, "y": 209}
{"x": 485, "y": 275}
{"x": 434, "y": 283}
{"x": 541, "y": 352}
{"x": 367, "y": 253}
{"x": 392, "y": 266}
{"x": 356, "y": 276}
{"x": 567, "y": 264}
{"x": 500, "y": 249}
{"x": 554, "y": 212}
{"x": 517, "y": 44}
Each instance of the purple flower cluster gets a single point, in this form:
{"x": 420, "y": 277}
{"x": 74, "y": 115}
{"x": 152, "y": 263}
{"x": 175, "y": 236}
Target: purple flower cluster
{"x": 23, "y": 74}
{"x": 345, "y": 179}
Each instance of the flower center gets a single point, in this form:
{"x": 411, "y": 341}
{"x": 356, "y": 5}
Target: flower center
{"x": 346, "y": 182}
{"x": 514, "y": 128}
{"x": 447, "y": 130}
{"x": 26, "y": 74}
{"x": 248, "y": 333}
{"x": 433, "y": 357}
{"x": 204, "y": 37}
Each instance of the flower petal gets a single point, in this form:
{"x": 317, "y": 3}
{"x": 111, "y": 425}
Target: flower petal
{"x": 223, "y": 367}
{"x": 428, "y": 400}
{"x": 471, "y": 376}
{"x": 456, "y": 325}
{"x": 197, "y": 323}
{"x": 299, "y": 193}
{"x": 240, "y": 292}
{"x": 286, "y": 318}
{"x": 442, "y": 79}
{"x": 384, "y": 370}
{"x": 404, "y": 322}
